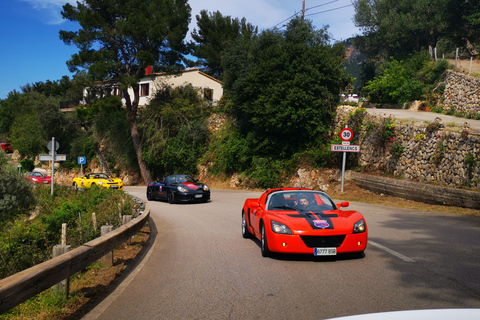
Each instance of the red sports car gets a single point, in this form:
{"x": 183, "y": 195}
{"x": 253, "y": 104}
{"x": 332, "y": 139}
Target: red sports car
{"x": 37, "y": 177}
{"x": 303, "y": 221}
{"x": 6, "y": 147}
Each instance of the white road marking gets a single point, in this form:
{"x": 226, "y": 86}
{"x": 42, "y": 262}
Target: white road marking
{"x": 392, "y": 252}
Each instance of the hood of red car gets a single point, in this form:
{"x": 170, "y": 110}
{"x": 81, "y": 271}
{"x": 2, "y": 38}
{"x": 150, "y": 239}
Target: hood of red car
{"x": 310, "y": 221}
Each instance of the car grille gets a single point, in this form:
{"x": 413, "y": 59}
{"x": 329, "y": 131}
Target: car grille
{"x": 322, "y": 241}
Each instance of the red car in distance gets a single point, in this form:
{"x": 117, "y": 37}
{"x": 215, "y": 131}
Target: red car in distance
{"x": 37, "y": 177}
{"x": 303, "y": 221}
{"x": 6, "y": 147}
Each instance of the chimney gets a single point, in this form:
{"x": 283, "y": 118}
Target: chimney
{"x": 149, "y": 70}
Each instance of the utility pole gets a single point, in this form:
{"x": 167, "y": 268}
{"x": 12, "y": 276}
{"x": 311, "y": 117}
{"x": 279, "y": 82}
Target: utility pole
{"x": 303, "y": 11}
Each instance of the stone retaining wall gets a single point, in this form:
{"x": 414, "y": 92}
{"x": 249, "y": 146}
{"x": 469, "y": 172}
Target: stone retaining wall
{"x": 462, "y": 92}
{"x": 426, "y": 152}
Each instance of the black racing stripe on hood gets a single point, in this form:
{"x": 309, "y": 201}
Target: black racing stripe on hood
{"x": 316, "y": 221}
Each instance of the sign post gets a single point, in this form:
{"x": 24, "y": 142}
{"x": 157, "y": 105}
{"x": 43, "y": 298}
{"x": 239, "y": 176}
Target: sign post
{"x": 52, "y": 156}
{"x": 346, "y": 135}
{"x": 81, "y": 162}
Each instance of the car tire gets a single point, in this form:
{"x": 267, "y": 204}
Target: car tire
{"x": 245, "y": 233}
{"x": 171, "y": 197}
{"x": 75, "y": 186}
{"x": 264, "y": 243}
{"x": 149, "y": 195}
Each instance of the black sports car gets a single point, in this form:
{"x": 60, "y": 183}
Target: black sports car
{"x": 178, "y": 188}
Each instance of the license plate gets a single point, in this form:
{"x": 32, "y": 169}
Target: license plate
{"x": 325, "y": 252}
{"x": 198, "y": 195}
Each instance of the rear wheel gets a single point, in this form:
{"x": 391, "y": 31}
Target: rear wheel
{"x": 245, "y": 233}
{"x": 265, "y": 251}
{"x": 171, "y": 197}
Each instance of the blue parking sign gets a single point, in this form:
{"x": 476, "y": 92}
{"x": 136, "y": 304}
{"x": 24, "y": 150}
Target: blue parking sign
{"x": 82, "y": 160}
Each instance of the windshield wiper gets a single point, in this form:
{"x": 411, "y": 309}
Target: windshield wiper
{"x": 284, "y": 208}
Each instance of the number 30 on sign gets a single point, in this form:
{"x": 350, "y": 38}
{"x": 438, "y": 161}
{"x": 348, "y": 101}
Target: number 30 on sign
{"x": 346, "y": 134}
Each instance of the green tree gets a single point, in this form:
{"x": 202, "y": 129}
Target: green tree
{"x": 406, "y": 80}
{"x": 214, "y": 33}
{"x": 174, "y": 130}
{"x": 118, "y": 39}
{"x": 32, "y": 119}
{"x": 16, "y": 193}
{"x": 464, "y": 24}
{"x": 285, "y": 88}
{"x": 399, "y": 27}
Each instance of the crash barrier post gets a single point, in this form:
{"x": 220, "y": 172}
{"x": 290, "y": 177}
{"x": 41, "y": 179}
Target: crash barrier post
{"x": 64, "y": 234}
{"x": 107, "y": 259}
{"x": 126, "y": 219}
{"x": 25, "y": 284}
{"x": 64, "y": 285}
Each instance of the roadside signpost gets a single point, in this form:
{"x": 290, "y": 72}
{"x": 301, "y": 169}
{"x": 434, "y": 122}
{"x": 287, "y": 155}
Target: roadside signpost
{"x": 81, "y": 162}
{"x": 52, "y": 156}
{"x": 346, "y": 135}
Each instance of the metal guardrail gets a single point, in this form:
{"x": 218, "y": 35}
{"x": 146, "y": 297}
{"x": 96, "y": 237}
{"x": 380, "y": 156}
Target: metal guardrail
{"x": 26, "y": 284}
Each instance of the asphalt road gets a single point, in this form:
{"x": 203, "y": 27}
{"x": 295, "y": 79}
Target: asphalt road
{"x": 419, "y": 117}
{"x": 200, "y": 267}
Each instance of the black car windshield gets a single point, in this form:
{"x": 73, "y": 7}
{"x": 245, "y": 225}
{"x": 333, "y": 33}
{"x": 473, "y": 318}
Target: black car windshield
{"x": 300, "y": 200}
{"x": 97, "y": 176}
{"x": 36, "y": 174}
{"x": 179, "y": 178}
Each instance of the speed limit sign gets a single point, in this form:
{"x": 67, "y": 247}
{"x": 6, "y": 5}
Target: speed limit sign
{"x": 346, "y": 134}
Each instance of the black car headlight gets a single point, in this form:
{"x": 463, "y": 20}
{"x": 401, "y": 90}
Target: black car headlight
{"x": 182, "y": 189}
{"x": 205, "y": 187}
{"x": 278, "y": 227}
{"x": 359, "y": 226}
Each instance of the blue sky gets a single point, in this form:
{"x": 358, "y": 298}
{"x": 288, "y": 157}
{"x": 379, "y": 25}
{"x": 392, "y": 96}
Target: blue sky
{"x": 31, "y": 50}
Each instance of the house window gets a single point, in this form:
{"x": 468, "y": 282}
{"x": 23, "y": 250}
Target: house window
{"x": 144, "y": 89}
{"x": 208, "y": 94}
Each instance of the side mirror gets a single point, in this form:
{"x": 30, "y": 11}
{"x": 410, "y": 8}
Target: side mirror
{"x": 343, "y": 204}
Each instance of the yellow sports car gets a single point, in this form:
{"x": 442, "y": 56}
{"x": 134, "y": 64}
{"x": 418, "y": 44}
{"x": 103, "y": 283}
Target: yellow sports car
{"x": 98, "y": 179}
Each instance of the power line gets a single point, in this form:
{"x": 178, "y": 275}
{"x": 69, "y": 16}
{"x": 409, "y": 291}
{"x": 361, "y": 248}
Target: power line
{"x": 321, "y": 5}
{"x": 311, "y": 14}
{"x": 293, "y": 15}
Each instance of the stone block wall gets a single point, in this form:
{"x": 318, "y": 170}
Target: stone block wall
{"x": 425, "y": 153}
{"x": 462, "y": 92}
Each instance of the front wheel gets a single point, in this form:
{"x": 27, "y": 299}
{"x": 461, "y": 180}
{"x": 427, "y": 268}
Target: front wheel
{"x": 75, "y": 186}
{"x": 149, "y": 194}
{"x": 171, "y": 197}
{"x": 265, "y": 251}
{"x": 245, "y": 233}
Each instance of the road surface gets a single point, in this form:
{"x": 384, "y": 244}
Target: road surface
{"x": 200, "y": 267}
{"x": 419, "y": 117}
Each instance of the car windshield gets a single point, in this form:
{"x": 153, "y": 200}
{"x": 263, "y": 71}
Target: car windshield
{"x": 36, "y": 174}
{"x": 300, "y": 200}
{"x": 97, "y": 176}
{"x": 179, "y": 178}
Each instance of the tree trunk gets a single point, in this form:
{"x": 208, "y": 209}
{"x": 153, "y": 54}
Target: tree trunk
{"x": 137, "y": 144}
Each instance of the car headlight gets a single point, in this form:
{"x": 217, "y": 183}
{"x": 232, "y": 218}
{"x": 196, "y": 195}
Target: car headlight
{"x": 359, "y": 226}
{"x": 205, "y": 187}
{"x": 100, "y": 182}
{"x": 182, "y": 189}
{"x": 278, "y": 227}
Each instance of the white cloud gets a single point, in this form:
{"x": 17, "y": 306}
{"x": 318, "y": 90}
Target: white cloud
{"x": 50, "y": 9}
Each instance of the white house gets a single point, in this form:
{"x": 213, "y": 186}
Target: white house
{"x": 210, "y": 88}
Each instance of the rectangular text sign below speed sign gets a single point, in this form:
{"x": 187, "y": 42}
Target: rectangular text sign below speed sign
{"x": 346, "y": 134}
